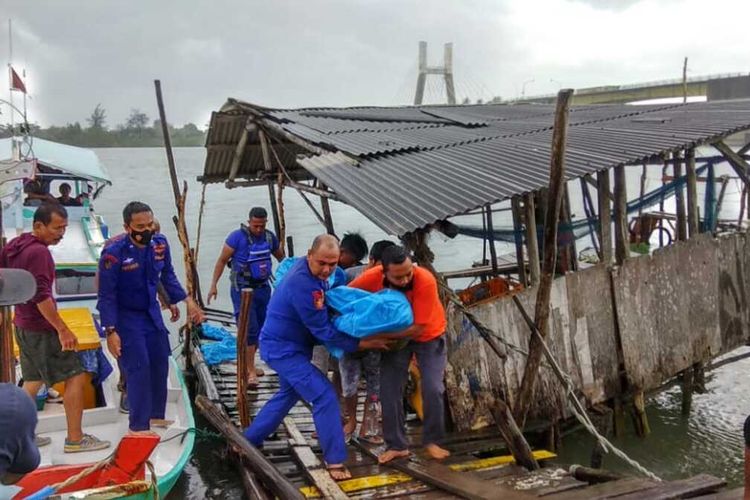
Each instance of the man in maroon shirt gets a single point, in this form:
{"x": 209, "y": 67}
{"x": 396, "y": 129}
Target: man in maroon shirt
{"x": 47, "y": 345}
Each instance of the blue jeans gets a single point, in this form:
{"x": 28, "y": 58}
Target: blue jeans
{"x": 261, "y": 297}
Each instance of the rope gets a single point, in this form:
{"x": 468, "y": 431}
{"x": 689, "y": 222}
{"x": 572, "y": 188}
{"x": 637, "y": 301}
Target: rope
{"x": 575, "y": 405}
{"x": 154, "y": 480}
{"x": 84, "y": 473}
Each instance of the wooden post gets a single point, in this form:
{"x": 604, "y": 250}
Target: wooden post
{"x": 243, "y": 321}
{"x": 282, "y": 216}
{"x": 518, "y": 238}
{"x": 272, "y": 479}
{"x": 605, "y": 217}
{"x": 692, "y": 194}
{"x": 679, "y": 199}
{"x": 264, "y": 146}
{"x": 588, "y": 209}
{"x": 290, "y": 246}
{"x": 327, "y": 215}
{"x": 491, "y": 238}
{"x": 622, "y": 250}
{"x": 566, "y": 217}
{"x": 743, "y": 198}
{"x": 7, "y": 359}
{"x": 532, "y": 245}
{"x": 512, "y": 435}
{"x": 642, "y": 428}
{"x": 542, "y": 309}
{"x": 686, "y": 381}
{"x": 179, "y": 199}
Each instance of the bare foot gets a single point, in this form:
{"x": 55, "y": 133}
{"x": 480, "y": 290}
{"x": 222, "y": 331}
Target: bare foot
{"x": 141, "y": 433}
{"x": 436, "y": 452}
{"x": 389, "y": 455}
{"x": 252, "y": 381}
{"x": 259, "y": 372}
{"x": 339, "y": 472}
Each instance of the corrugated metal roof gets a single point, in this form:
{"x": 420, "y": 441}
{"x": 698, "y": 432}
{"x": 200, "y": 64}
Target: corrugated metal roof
{"x": 416, "y": 165}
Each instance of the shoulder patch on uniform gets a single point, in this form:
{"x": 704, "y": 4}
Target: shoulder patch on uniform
{"x": 319, "y": 299}
{"x": 108, "y": 260}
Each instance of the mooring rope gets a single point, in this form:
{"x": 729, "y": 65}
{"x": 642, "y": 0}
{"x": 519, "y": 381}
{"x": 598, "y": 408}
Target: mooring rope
{"x": 574, "y": 404}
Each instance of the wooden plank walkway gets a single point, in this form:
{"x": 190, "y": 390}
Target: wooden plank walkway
{"x": 479, "y": 466}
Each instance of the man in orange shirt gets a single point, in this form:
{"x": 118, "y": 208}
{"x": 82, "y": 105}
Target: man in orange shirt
{"x": 427, "y": 341}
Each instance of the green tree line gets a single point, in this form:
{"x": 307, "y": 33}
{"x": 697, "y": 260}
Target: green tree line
{"x": 137, "y": 131}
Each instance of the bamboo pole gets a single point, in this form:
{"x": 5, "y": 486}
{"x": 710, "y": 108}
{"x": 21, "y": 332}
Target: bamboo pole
{"x": 515, "y": 204}
{"x": 621, "y": 217}
{"x": 605, "y": 216}
{"x": 532, "y": 245}
{"x": 542, "y": 309}
{"x": 191, "y": 271}
{"x": 260, "y": 465}
{"x": 243, "y": 321}
{"x": 264, "y": 146}
{"x": 491, "y": 237}
{"x": 692, "y": 194}
{"x": 682, "y": 232}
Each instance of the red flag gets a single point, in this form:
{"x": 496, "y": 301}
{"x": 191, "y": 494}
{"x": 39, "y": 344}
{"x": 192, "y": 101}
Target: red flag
{"x": 15, "y": 82}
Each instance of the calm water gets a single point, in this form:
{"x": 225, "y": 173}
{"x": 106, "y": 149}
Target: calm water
{"x": 709, "y": 441}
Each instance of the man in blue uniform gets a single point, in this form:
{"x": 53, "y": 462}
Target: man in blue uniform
{"x": 249, "y": 248}
{"x": 130, "y": 270}
{"x": 297, "y": 319}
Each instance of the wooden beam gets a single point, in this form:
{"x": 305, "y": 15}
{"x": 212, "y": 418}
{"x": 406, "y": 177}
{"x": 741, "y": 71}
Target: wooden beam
{"x": 272, "y": 479}
{"x": 513, "y": 436}
{"x": 239, "y": 152}
{"x": 552, "y": 217}
{"x": 311, "y": 466}
{"x": 491, "y": 239}
{"x": 605, "y": 217}
{"x": 324, "y": 205}
{"x": 738, "y": 163}
{"x": 588, "y": 209}
{"x": 464, "y": 484}
{"x": 622, "y": 250}
{"x": 692, "y": 194}
{"x": 515, "y": 203}
{"x": 532, "y": 245}
{"x": 269, "y": 172}
{"x": 243, "y": 408}
{"x": 680, "y": 200}
{"x": 607, "y": 194}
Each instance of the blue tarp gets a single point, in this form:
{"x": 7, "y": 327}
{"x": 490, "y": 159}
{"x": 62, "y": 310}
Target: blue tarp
{"x": 338, "y": 278}
{"x": 225, "y": 347}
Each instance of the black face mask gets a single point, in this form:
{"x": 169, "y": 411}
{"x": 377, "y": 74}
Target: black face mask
{"x": 141, "y": 237}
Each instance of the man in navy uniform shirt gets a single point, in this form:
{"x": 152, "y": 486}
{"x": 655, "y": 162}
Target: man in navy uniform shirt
{"x": 130, "y": 270}
{"x": 297, "y": 320}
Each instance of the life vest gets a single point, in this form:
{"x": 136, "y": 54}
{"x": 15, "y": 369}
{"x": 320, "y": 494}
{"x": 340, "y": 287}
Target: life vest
{"x": 255, "y": 270}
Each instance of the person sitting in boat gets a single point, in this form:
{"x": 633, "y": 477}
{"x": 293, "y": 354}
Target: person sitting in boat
{"x": 297, "y": 320}
{"x": 47, "y": 345}
{"x": 129, "y": 272}
{"x": 249, "y": 249}
{"x": 37, "y": 192}
{"x": 65, "y": 199}
{"x": 398, "y": 272}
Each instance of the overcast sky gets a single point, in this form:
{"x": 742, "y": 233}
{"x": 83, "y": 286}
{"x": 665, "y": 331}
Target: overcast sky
{"x": 282, "y": 53}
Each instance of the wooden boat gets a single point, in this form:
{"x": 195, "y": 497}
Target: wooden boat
{"x": 76, "y": 260}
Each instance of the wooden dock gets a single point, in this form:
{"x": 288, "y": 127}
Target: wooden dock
{"x": 480, "y": 466}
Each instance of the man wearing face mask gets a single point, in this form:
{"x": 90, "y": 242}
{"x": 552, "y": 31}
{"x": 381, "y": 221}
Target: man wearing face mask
{"x": 398, "y": 272}
{"x": 130, "y": 270}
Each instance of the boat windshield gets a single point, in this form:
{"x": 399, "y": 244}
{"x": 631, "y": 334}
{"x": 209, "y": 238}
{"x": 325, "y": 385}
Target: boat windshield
{"x": 75, "y": 283}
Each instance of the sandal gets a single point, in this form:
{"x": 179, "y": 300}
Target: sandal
{"x": 339, "y": 472}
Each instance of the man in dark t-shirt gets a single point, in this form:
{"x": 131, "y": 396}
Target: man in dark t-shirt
{"x": 46, "y": 343}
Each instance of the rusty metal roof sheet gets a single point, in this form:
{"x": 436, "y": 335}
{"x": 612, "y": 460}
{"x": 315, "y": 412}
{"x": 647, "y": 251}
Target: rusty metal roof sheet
{"x": 405, "y": 168}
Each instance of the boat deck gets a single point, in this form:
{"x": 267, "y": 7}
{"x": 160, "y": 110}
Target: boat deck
{"x": 479, "y": 466}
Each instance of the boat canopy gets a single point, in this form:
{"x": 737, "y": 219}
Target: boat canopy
{"x": 78, "y": 162}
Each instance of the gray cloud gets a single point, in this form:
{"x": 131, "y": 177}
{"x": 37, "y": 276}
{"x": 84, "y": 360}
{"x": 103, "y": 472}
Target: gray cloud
{"x": 293, "y": 53}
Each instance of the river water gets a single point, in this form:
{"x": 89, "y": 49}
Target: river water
{"x": 709, "y": 441}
